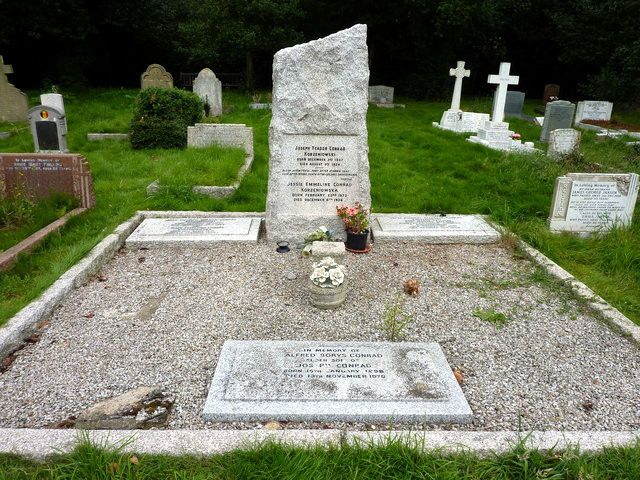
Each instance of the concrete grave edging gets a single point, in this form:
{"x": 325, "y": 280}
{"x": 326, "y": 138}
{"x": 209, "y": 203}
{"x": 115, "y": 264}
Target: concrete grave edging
{"x": 39, "y": 444}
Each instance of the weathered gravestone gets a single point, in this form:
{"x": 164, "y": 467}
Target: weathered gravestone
{"x": 38, "y": 175}
{"x": 207, "y": 86}
{"x": 156, "y": 76}
{"x": 335, "y": 381}
{"x": 13, "y": 103}
{"x": 590, "y": 202}
{"x": 551, "y": 93}
{"x": 593, "y": 110}
{"x": 513, "y": 104}
{"x": 318, "y": 134}
{"x": 54, "y": 100}
{"x": 563, "y": 141}
{"x": 432, "y": 228}
{"x": 381, "y": 94}
{"x": 48, "y": 129}
{"x": 558, "y": 114}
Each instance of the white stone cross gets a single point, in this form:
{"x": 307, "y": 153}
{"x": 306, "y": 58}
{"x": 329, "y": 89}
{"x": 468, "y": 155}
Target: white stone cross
{"x": 459, "y": 72}
{"x": 503, "y": 80}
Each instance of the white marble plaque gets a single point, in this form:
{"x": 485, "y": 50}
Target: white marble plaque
{"x": 584, "y": 203}
{"x": 432, "y": 228}
{"x": 340, "y": 381}
{"x": 318, "y": 172}
{"x": 563, "y": 141}
{"x": 200, "y": 230}
{"x": 593, "y": 110}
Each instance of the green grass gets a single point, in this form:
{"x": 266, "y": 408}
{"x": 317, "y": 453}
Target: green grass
{"x": 415, "y": 168}
{"x": 394, "y": 460}
{"x": 490, "y": 315}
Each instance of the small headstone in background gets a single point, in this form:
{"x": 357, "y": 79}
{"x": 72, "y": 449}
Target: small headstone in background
{"x": 514, "y": 103}
{"x": 156, "y": 76}
{"x": 563, "y": 141}
{"x": 13, "y": 103}
{"x": 4, "y": 135}
{"x": 207, "y": 86}
{"x": 38, "y": 175}
{"x": 318, "y": 134}
{"x": 551, "y": 93}
{"x": 558, "y": 114}
{"x": 48, "y": 128}
{"x": 591, "y": 202}
{"x": 380, "y": 94}
{"x": 54, "y": 100}
{"x": 593, "y": 110}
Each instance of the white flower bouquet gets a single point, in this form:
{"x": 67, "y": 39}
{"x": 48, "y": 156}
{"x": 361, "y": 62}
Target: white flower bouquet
{"x": 327, "y": 273}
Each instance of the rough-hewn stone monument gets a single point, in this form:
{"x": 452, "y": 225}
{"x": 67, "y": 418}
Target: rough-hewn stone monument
{"x": 318, "y": 134}
{"x": 156, "y": 76}
{"x": 207, "y": 86}
{"x": 13, "y": 103}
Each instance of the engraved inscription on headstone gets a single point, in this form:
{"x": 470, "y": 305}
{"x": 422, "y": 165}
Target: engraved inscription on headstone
{"x": 380, "y": 94}
{"x": 593, "y": 110}
{"x": 48, "y": 128}
{"x": 563, "y": 141}
{"x": 350, "y": 381}
{"x": 584, "y": 202}
{"x": 558, "y": 114}
{"x": 432, "y": 228}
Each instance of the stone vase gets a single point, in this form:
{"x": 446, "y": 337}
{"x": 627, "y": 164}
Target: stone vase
{"x": 327, "y": 298}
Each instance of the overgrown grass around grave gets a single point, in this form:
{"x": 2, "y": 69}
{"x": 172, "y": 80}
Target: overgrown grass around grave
{"x": 415, "y": 168}
{"x": 396, "y": 459}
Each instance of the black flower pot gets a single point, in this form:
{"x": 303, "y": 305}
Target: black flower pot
{"x": 357, "y": 241}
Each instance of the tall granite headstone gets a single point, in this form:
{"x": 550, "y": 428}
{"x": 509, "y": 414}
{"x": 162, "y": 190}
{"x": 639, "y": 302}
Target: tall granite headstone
{"x": 513, "y": 104}
{"x": 318, "y": 134}
{"x": 156, "y": 76}
{"x": 207, "y": 86}
{"x": 48, "y": 128}
{"x": 13, "y": 103}
{"x": 558, "y": 114}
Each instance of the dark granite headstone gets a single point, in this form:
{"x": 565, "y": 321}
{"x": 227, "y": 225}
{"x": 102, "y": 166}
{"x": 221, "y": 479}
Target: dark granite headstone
{"x": 514, "y": 103}
{"x": 558, "y": 114}
{"x": 551, "y": 90}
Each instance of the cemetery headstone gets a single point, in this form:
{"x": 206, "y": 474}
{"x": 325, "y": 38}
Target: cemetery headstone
{"x": 13, "y": 103}
{"x": 437, "y": 229}
{"x": 318, "y": 134}
{"x": 54, "y": 100}
{"x": 563, "y": 141}
{"x": 593, "y": 110}
{"x": 590, "y": 202}
{"x": 513, "y": 104}
{"x": 335, "y": 381}
{"x": 551, "y": 93}
{"x": 207, "y": 86}
{"x": 48, "y": 129}
{"x": 38, "y": 175}
{"x": 380, "y": 94}
{"x": 156, "y": 76}
{"x": 558, "y": 114}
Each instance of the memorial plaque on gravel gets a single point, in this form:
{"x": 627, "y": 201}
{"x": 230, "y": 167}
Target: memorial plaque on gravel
{"x": 198, "y": 230}
{"x": 334, "y": 381}
{"x": 432, "y": 228}
{"x": 591, "y": 202}
{"x": 38, "y": 175}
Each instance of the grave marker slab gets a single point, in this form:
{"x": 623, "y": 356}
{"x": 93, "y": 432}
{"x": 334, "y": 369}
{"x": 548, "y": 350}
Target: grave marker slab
{"x": 38, "y": 175}
{"x": 54, "y": 100}
{"x": 48, "y": 129}
{"x": 13, "y": 103}
{"x": 558, "y": 114}
{"x": 514, "y": 103}
{"x": 207, "y": 86}
{"x": 156, "y": 76}
{"x": 195, "y": 230}
{"x": 334, "y": 381}
{"x": 436, "y": 229}
{"x": 563, "y": 141}
{"x": 589, "y": 202}
{"x": 593, "y": 110}
{"x": 551, "y": 92}
{"x": 380, "y": 94}
{"x": 318, "y": 134}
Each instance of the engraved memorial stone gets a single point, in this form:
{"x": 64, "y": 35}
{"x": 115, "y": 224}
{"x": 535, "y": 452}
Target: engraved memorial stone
{"x": 318, "y": 134}
{"x": 590, "y": 202}
{"x": 38, "y": 175}
{"x": 513, "y": 104}
{"x": 551, "y": 93}
{"x": 54, "y": 100}
{"x": 563, "y": 141}
{"x": 207, "y": 86}
{"x": 432, "y": 228}
{"x": 558, "y": 114}
{"x": 48, "y": 128}
{"x": 380, "y": 94}
{"x": 334, "y": 381}
{"x": 13, "y": 103}
{"x": 592, "y": 110}
{"x": 156, "y": 76}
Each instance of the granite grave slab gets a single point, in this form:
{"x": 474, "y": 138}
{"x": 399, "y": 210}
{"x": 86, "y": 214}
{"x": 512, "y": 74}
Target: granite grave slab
{"x": 194, "y": 230}
{"x": 381, "y": 94}
{"x": 593, "y": 110}
{"x": 435, "y": 229}
{"x": 207, "y": 86}
{"x": 563, "y": 141}
{"x": 558, "y": 114}
{"x": 48, "y": 129}
{"x": 156, "y": 76}
{"x": 551, "y": 93}
{"x": 513, "y": 104}
{"x": 335, "y": 381}
{"x": 589, "y": 202}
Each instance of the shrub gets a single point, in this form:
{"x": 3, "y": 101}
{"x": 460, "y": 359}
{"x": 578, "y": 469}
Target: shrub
{"x": 161, "y": 117}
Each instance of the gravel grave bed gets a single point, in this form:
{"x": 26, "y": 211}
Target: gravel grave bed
{"x": 159, "y": 316}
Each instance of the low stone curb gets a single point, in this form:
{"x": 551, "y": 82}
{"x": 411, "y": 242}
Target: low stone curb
{"x": 611, "y": 315}
{"x": 41, "y": 443}
{"x": 97, "y": 137}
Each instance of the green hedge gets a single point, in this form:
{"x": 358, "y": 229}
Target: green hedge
{"x": 161, "y": 117}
